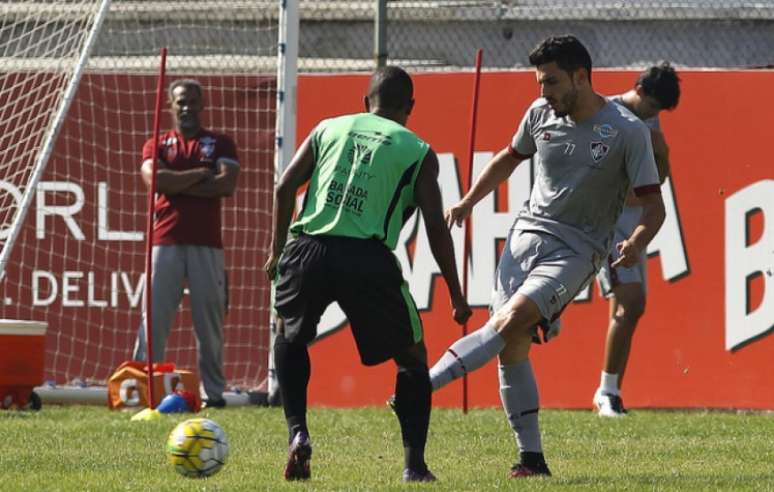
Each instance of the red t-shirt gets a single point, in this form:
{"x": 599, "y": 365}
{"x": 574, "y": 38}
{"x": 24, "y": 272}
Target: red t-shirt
{"x": 184, "y": 219}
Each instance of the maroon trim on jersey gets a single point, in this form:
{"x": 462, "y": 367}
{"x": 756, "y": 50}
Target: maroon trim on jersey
{"x": 515, "y": 153}
{"x": 647, "y": 190}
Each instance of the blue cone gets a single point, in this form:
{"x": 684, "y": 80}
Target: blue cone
{"x": 173, "y": 403}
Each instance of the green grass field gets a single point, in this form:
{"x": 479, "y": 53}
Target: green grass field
{"x": 83, "y": 448}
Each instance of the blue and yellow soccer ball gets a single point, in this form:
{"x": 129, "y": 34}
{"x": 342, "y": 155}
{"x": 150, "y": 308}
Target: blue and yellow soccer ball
{"x": 197, "y": 448}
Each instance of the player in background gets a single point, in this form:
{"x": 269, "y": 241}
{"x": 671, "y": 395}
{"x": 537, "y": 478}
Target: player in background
{"x": 589, "y": 153}
{"x": 656, "y": 89}
{"x": 367, "y": 173}
{"x": 196, "y": 169}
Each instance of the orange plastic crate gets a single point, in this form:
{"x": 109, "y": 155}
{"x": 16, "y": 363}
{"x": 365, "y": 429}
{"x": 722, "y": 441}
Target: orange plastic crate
{"x": 22, "y": 352}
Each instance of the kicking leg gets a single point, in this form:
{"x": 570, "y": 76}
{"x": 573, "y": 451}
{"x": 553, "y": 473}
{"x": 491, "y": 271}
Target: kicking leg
{"x": 515, "y": 320}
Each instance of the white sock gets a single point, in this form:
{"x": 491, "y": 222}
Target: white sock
{"x": 466, "y": 355}
{"x": 609, "y": 383}
{"x": 519, "y": 394}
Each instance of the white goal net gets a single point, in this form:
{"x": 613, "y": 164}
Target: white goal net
{"x": 77, "y": 261}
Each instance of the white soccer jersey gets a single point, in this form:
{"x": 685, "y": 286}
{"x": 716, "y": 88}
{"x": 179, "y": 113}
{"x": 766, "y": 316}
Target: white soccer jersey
{"x": 583, "y": 173}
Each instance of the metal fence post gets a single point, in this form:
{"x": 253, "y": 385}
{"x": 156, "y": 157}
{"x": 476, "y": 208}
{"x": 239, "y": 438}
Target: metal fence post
{"x": 380, "y": 33}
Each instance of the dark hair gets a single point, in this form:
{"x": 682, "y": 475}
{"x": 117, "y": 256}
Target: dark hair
{"x": 662, "y": 83}
{"x": 568, "y": 53}
{"x": 391, "y": 88}
{"x": 188, "y": 84}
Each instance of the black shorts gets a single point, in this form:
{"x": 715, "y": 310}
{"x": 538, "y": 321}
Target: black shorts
{"x": 364, "y": 277}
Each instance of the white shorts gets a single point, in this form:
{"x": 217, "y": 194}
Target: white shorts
{"x": 608, "y": 277}
{"x": 544, "y": 269}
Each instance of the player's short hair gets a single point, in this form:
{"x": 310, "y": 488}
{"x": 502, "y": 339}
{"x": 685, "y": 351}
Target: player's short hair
{"x": 568, "y": 53}
{"x": 661, "y": 83}
{"x": 188, "y": 84}
{"x": 391, "y": 88}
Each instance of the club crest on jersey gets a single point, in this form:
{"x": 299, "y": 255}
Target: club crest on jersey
{"x": 546, "y": 136}
{"x": 605, "y": 130}
{"x": 598, "y": 150}
{"x": 169, "y": 151}
{"x": 207, "y": 148}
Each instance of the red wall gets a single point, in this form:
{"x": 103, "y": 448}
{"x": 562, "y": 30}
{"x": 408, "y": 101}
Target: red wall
{"x": 679, "y": 358}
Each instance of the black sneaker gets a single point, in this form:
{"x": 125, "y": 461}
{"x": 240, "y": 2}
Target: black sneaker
{"x": 520, "y": 470}
{"x": 410, "y": 475}
{"x": 221, "y": 403}
{"x": 299, "y": 456}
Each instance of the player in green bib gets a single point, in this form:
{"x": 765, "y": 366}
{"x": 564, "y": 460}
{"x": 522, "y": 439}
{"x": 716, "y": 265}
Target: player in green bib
{"x": 363, "y": 184}
{"x": 367, "y": 173}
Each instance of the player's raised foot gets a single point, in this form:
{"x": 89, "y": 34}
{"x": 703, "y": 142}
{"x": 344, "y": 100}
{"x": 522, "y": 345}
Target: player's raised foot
{"x": 609, "y": 405}
{"x": 410, "y": 475}
{"x": 299, "y": 456}
{"x": 520, "y": 470}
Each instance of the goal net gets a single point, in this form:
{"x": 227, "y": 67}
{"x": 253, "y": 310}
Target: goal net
{"x": 77, "y": 260}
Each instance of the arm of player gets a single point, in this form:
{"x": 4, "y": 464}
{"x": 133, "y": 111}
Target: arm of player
{"x": 496, "y": 171}
{"x": 222, "y": 184}
{"x": 428, "y": 197}
{"x": 660, "y": 153}
{"x": 297, "y": 173}
{"x": 653, "y": 214}
{"x": 171, "y": 182}
{"x": 661, "y": 156}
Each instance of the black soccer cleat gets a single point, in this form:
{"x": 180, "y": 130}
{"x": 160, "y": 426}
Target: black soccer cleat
{"x": 299, "y": 456}
{"x": 520, "y": 470}
{"x": 410, "y": 475}
{"x": 220, "y": 403}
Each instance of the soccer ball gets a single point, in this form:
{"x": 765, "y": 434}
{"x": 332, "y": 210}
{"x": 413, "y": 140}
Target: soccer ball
{"x": 197, "y": 448}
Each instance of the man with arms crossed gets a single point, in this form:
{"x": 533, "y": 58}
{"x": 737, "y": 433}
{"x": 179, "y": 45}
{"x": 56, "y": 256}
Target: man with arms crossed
{"x": 367, "y": 172}
{"x": 589, "y": 152}
{"x": 196, "y": 169}
{"x": 656, "y": 89}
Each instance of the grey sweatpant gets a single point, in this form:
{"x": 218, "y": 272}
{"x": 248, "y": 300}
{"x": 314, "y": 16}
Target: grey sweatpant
{"x": 203, "y": 268}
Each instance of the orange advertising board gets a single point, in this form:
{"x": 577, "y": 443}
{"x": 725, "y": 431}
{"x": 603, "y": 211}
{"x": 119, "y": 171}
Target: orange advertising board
{"x": 705, "y": 339}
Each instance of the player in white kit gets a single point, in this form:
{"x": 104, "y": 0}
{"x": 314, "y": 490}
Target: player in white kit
{"x": 656, "y": 89}
{"x": 589, "y": 153}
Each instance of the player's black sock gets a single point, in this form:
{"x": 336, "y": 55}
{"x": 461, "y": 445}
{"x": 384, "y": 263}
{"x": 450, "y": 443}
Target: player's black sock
{"x": 413, "y": 400}
{"x": 293, "y": 369}
{"x": 532, "y": 460}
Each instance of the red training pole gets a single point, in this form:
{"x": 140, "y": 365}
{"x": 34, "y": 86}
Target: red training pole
{"x": 149, "y": 229}
{"x": 466, "y": 246}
